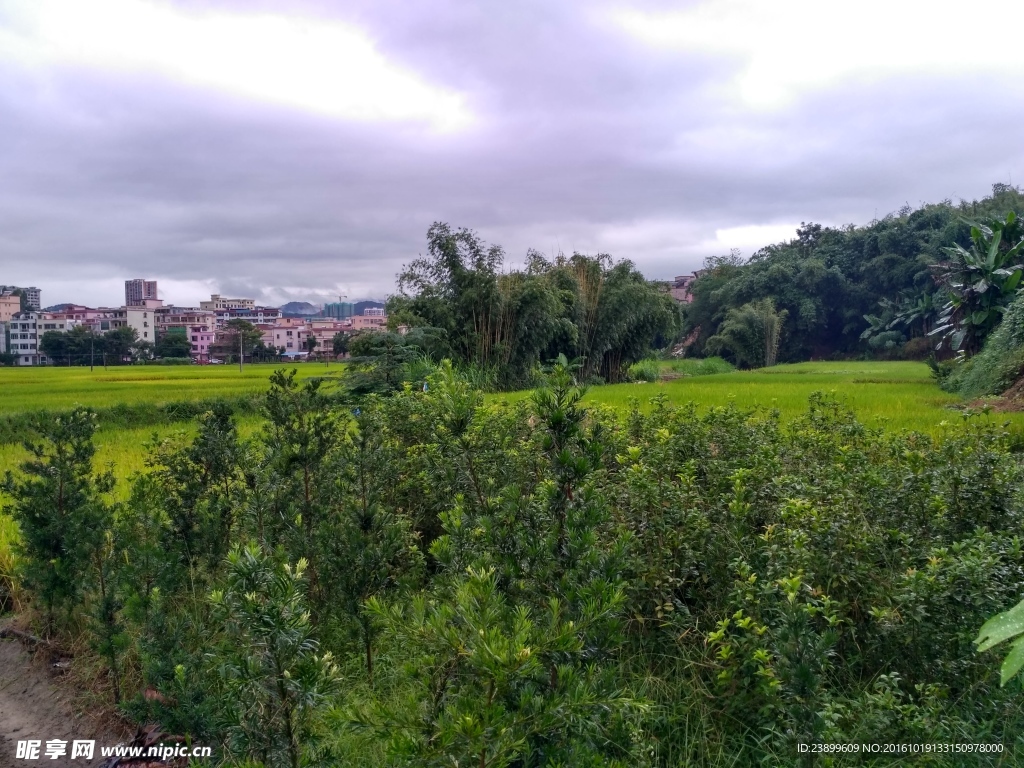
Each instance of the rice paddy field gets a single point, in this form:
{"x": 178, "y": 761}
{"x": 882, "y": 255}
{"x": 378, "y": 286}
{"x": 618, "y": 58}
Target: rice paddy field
{"x": 893, "y": 395}
{"x": 30, "y": 389}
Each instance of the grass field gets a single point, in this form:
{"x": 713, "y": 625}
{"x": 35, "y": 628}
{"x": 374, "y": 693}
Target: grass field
{"x": 896, "y": 395}
{"x": 30, "y": 389}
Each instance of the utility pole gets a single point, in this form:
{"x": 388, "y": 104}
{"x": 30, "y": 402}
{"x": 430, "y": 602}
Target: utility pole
{"x": 241, "y": 352}
{"x": 92, "y": 351}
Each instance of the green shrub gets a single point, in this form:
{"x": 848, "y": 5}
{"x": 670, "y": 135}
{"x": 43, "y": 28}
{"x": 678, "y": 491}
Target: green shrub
{"x": 999, "y": 364}
{"x": 541, "y": 582}
{"x": 645, "y": 370}
{"x": 701, "y": 366}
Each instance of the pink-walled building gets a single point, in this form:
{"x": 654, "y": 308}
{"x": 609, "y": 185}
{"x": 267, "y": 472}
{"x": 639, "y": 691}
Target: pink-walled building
{"x": 202, "y": 337}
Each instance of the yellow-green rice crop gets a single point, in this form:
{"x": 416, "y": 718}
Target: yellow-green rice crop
{"x": 895, "y": 395}
{"x": 31, "y": 389}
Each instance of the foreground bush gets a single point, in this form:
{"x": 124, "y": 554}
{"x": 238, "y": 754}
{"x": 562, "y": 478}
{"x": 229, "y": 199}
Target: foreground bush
{"x": 536, "y": 584}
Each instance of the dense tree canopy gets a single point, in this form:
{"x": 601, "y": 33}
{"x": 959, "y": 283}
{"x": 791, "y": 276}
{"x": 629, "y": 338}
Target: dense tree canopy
{"x": 836, "y": 283}
{"x": 82, "y": 346}
{"x": 589, "y": 307}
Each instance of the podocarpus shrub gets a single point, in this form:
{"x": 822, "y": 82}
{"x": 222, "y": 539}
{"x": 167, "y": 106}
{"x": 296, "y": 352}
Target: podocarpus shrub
{"x": 668, "y": 586}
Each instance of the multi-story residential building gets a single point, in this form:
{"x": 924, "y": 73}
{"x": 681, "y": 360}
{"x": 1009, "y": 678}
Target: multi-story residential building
{"x": 288, "y": 334}
{"x": 254, "y": 315}
{"x": 202, "y": 337}
{"x": 10, "y": 305}
{"x": 339, "y": 310}
{"x": 47, "y": 323}
{"x": 100, "y": 320}
{"x": 33, "y": 296}
{"x": 219, "y": 302}
{"x": 372, "y": 317}
{"x": 143, "y": 319}
{"x": 680, "y": 287}
{"x": 182, "y": 319}
{"x": 138, "y": 291}
{"x": 324, "y": 332}
{"x": 25, "y": 333}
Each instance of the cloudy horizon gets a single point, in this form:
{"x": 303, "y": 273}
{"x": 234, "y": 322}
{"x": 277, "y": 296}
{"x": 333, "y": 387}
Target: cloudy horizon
{"x": 299, "y": 150}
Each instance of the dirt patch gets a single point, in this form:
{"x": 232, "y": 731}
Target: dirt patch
{"x": 1011, "y": 401}
{"x": 34, "y": 704}
{"x": 1016, "y": 393}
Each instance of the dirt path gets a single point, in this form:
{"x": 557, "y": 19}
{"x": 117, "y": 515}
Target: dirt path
{"x": 33, "y": 706}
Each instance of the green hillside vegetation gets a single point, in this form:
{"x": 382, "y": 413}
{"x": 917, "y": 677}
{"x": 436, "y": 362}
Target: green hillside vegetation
{"x": 999, "y": 364}
{"x": 841, "y": 288}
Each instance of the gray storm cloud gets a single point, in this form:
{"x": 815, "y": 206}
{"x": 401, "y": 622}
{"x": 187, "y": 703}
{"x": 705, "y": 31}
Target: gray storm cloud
{"x": 582, "y": 137}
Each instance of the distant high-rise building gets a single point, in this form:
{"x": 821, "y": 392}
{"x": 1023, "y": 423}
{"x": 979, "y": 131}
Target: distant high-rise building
{"x": 138, "y": 291}
{"x": 33, "y": 296}
{"x": 338, "y": 310}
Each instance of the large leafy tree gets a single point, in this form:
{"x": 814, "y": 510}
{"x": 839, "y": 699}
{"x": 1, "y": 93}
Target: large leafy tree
{"x": 980, "y": 281}
{"x": 751, "y": 334}
{"x": 118, "y": 343}
{"x": 603, "y": 312}
{"x": 239, "y": 337}
{"x": 173, "y": 344}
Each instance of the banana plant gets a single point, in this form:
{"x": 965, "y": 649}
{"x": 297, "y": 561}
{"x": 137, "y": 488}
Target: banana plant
{"x": 1008, "y": 625}
{"x": 980, "y": 282}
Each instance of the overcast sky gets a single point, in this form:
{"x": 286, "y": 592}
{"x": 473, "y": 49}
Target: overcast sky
{"x": 300, "y": 149}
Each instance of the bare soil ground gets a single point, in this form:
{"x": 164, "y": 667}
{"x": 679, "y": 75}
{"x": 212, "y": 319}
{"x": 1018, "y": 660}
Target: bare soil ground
{"x": 1011, "y": 401}
{"x": 35, "y": 704}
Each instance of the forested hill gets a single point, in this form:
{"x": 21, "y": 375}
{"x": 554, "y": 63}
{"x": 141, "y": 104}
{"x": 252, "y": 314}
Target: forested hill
{"x": 828, "y": 280}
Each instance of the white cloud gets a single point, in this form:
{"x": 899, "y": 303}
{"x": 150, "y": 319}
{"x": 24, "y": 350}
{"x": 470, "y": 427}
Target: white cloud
{"x": 327, "y": 67}
{"x": 753, "y": 236}
{"x": 785, "y": 47}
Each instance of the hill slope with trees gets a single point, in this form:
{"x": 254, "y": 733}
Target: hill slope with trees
{"x": 846, "y": 290}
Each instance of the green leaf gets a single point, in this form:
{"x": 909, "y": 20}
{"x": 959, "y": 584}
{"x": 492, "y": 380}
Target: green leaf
{"x": 958, "y": 338}
{"x": 1013, "y": 662}
{"x": 993, "y": 249}
{"x": 1001, "y": 627}
{"x": 1013, "y": 280}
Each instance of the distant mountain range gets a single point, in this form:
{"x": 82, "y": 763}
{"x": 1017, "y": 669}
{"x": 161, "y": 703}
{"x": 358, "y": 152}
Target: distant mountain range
{"x": 359, "y": 306}
{"x": 299, "y": 308}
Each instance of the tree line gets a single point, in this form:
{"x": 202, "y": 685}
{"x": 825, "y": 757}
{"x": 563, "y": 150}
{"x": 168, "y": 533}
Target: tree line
{"x": 429, "y": 579}
{"x": 82, "y": 345}
{"x": 932, "y": 279}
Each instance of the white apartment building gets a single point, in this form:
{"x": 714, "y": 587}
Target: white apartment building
{"x": 25, "y": 333}
{"x": 219, "y": 302}
{"x": 33, "y": 296}
{"x": 143, "y": 319}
